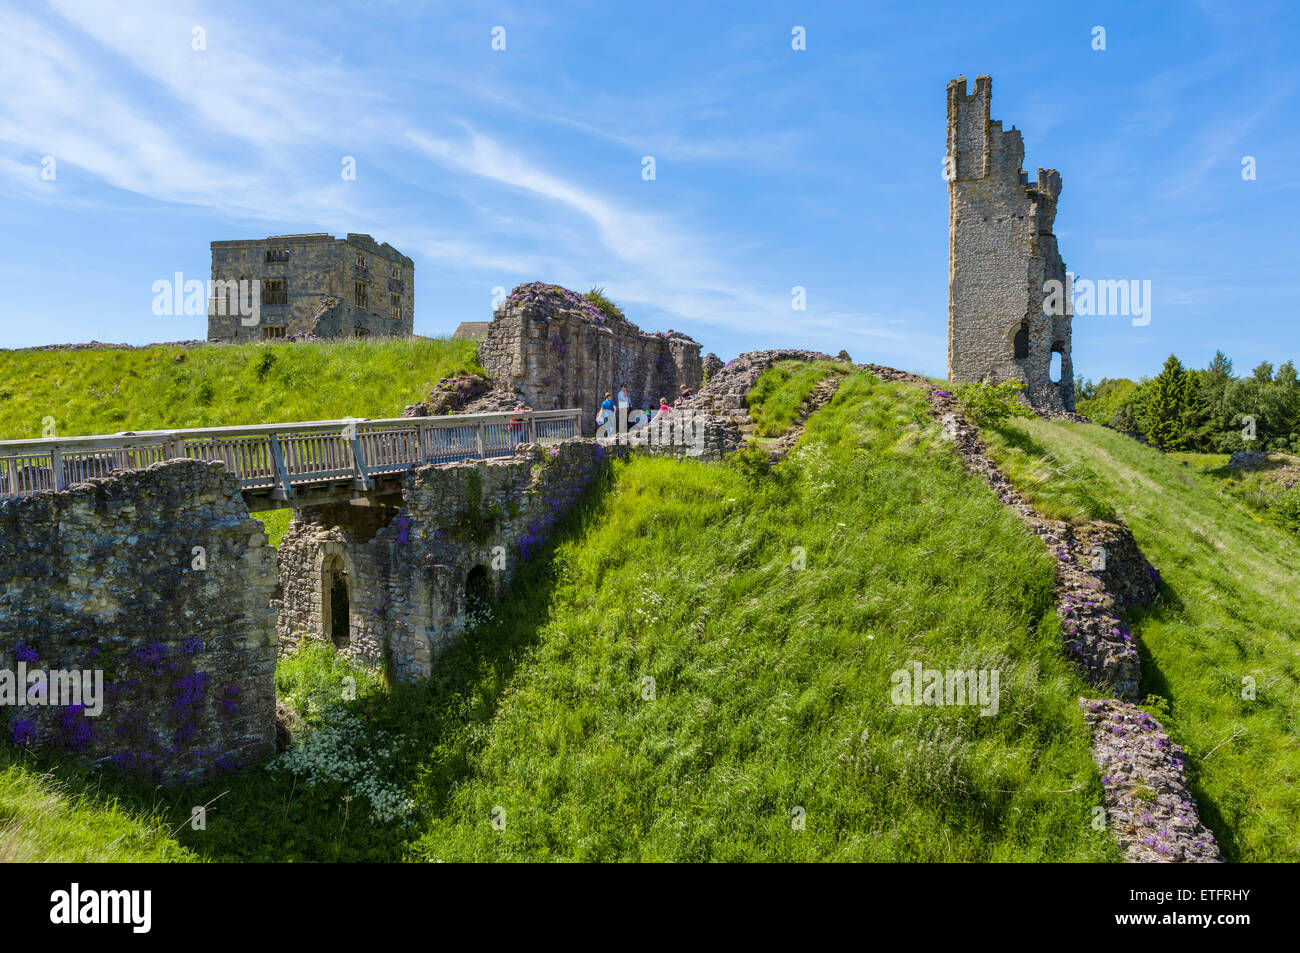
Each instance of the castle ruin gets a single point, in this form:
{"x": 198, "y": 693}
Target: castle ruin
{"x": 315, "y": 285}
{"x": 554, "y": 348}
{"x": 1001, "y": 254}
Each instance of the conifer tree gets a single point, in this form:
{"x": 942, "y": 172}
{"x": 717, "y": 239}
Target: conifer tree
{"x": 1167, "y": 409}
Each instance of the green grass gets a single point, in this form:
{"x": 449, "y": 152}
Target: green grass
{"x": 1259, "y": 489}
{"x": 778, "y": 394}
{"x": 771, "y": 682}
{"x": 107, "y": 391}
{"x": 43, "y": 819}
{"x": 1061, "y": 489}
{"x": 1229, "y": 609}
{"x": 276, "y": 523}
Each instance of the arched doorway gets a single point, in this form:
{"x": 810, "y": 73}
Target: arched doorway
{"x": 1020, "y": 346}
{"x": 478, "y": 595}
{"x": 336, "y": 602}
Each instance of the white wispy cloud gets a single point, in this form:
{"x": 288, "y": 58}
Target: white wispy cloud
{"x": 115, "y": 89}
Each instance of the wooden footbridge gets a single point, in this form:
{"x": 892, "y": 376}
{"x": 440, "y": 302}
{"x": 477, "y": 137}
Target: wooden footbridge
{"x": 279, "y": 465}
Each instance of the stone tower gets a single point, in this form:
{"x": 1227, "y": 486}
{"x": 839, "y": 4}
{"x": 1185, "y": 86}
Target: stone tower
{"x": 1001, "y": 254}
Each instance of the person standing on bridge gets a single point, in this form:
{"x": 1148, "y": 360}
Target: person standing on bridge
{"x": 605, "y": 416}
{"x": 624, "y": 407}
{"x": 515, "y": 429}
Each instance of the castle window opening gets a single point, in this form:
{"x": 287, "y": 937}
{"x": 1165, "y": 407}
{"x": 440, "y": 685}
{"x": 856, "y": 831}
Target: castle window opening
{"x": 277, "y": 255}
{"x": 275, "y": 291}
{"x": 478, "y": 592}
{"x": 360, "y": 332}
{"x": 1054, "y": 375}
{"x": 359, "y": 294}
{"x": 1020, "y": 347}
{"x": 396, "y": 302}
{"x": 336, "y": 603}
{"x": 272, "y": 332}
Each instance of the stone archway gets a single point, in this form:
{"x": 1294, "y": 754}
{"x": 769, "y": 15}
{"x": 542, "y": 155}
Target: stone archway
{"x": 479, "y": 592}
{"x": 335, "y": 599}
{"x": 1020, "y": 342}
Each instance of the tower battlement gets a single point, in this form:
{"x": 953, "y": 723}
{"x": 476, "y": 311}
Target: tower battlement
{"x": 1001, "y": 254}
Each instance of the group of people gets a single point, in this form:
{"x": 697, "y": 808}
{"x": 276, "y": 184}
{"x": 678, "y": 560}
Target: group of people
{"x": 623, "y": 407}
{"x": 611, "y": 408}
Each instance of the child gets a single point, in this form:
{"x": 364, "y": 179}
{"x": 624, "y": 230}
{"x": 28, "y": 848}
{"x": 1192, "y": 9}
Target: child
{"x": 605, "y": 418}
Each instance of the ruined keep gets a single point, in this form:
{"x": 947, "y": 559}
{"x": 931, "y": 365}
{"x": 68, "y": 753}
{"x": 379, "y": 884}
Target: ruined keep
{"x": 1001, "y": 254}
{"x": 556, "y": 349}
{"x": 315, "y": 285}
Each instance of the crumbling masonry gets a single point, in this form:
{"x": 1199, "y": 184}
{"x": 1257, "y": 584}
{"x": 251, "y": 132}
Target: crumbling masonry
{"x": 553, "y": 348}
{"x": 1001, "y": 254}
{"x": 394, "y": 586}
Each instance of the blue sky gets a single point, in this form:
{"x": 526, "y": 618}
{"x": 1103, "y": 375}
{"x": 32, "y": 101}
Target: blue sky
{"x": 774, "y": 168}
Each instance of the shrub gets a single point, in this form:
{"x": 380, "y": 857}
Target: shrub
{"x": 598, "y": 297}
{"x": 1287, "y": 510}
{"x": 988, "y": 403}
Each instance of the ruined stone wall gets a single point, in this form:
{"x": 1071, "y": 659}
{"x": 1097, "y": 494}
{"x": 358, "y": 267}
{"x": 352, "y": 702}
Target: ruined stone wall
{"x": 102, "y": 576}
{"x": 409, "y": 568}
{"x": 1001, "y": 254}
{"x": 555, "y": 349}
{"x": 321, "y": 274}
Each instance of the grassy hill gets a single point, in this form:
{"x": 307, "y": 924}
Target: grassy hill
{"x": 1229, "y": 610}
{"x": 156, "y": 388}
{"x": 699, "y": 667}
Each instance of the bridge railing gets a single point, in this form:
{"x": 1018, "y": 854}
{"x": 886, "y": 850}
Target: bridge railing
{"x": 278, "y": 457}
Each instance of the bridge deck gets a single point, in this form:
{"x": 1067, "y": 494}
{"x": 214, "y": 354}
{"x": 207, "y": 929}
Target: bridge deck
{"x": 272, "y": 460}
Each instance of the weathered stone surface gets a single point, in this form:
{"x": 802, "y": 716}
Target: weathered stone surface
{"x": 730, "y": 385}
{"x": 1248, "y": 459}
{"x": 336, "y": 287}
{"x": 409, "y": 572}
{"x": 685, "y": 433}
{"x": 102, "y": 576}
{"x": 1283, "y": 468}
{"x": 1100, "y": 568}
{"x": 471, "y": 330}
{"x": 451, "y": 395}
{"x": 710, "y": 365}
{"x": 1001, "y": 254}
{"x": 552, "y": 348}
{"x": 1149, "y": 805}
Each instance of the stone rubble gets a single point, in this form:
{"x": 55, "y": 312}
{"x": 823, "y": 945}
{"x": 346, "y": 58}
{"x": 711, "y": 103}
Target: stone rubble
{"x": 552, "y": 349}
{"x": 1148, "y": 803}
{"x": 1100, "y": 570}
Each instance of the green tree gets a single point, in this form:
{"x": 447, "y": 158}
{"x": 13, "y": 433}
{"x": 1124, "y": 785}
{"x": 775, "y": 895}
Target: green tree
{"x": 1166, "y": 411}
